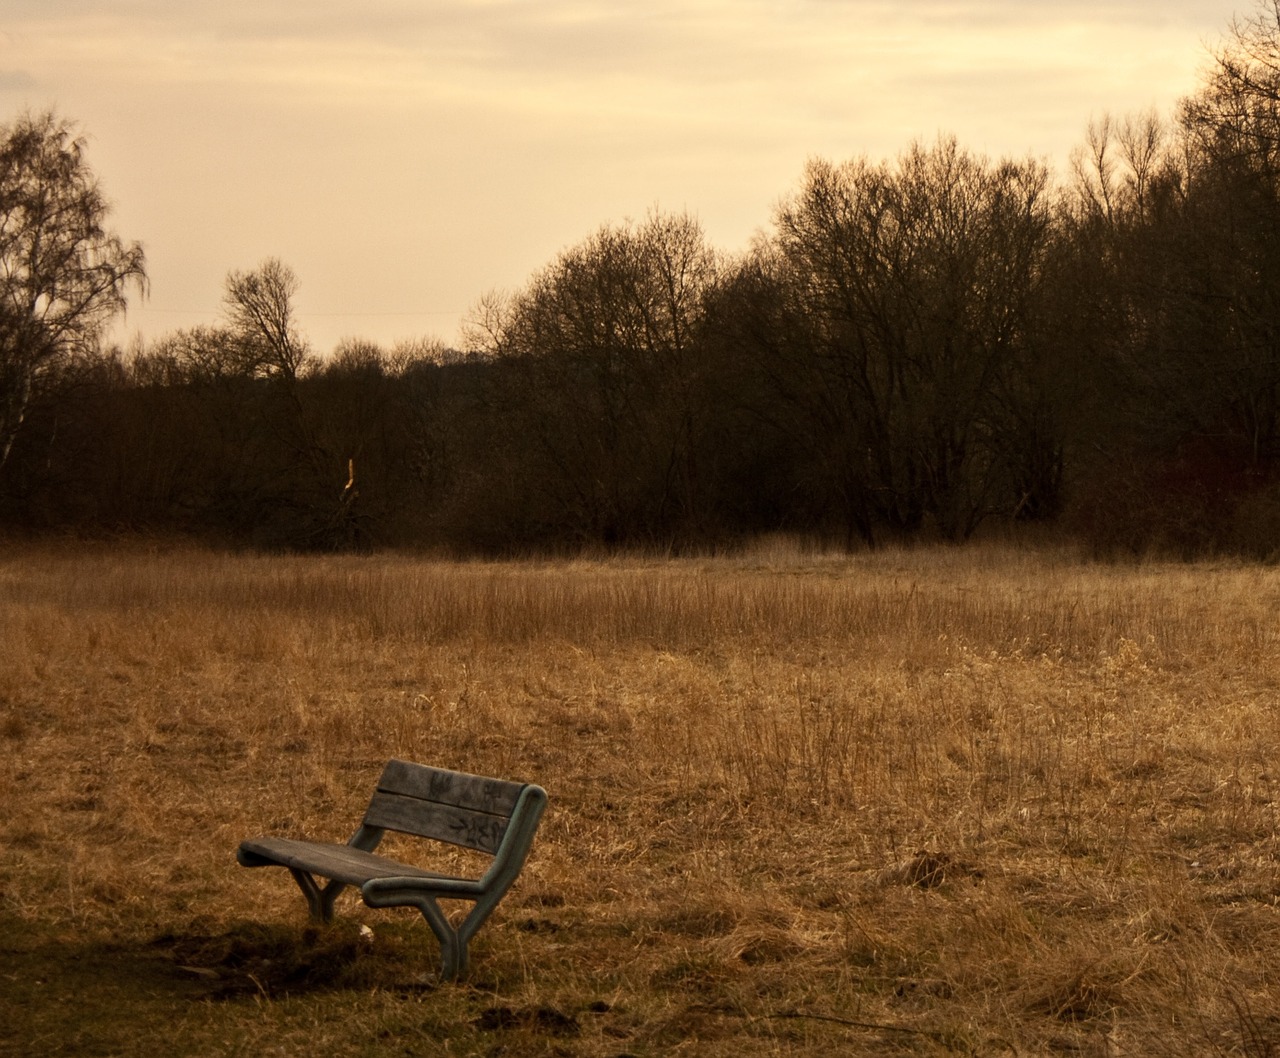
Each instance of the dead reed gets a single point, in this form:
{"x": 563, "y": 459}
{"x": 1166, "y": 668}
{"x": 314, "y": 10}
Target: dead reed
{"x": 944, "y": 801}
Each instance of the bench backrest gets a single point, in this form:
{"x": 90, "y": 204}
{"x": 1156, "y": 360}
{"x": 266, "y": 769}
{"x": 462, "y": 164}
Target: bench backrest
{"x": 467, "y": 810}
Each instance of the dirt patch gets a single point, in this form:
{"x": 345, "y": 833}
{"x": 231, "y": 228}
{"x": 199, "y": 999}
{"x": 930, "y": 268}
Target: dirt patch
{"x": 274, "y": 962}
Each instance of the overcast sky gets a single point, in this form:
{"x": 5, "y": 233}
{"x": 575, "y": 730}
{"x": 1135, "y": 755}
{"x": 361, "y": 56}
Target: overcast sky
{"x": 404, "y": 157}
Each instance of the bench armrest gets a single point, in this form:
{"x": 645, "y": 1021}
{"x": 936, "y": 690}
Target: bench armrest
{"x": 518, "y": 839}
{"x": 382, "y": 888}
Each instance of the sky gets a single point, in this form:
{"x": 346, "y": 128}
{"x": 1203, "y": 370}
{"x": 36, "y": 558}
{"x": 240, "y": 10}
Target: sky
{"x": 407, "y": 157}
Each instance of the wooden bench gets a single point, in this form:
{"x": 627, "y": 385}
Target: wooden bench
{"x": 489, "y": 815}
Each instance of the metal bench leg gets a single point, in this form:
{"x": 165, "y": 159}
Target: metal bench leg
{"x": 319, "y": 900}
{"x": 454, "y": 943}
{"x": 474, "y": 920}
{"x": 453, "y": 948}
{"x": 453, "y": 951}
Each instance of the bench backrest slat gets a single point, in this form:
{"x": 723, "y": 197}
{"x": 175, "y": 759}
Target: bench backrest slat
{"x": 467, "y": 810}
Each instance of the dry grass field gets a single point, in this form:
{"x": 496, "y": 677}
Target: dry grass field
{"x": 981, "y": 801}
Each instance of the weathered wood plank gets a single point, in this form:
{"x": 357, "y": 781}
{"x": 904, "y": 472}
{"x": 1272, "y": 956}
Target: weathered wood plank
{"x": 342, "y": 862}
{"x": 476, "y": 792}
{"x": 444, "y": 822}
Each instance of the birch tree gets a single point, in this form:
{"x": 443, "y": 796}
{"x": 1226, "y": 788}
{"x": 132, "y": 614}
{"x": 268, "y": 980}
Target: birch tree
{"x": 63, "y": 275}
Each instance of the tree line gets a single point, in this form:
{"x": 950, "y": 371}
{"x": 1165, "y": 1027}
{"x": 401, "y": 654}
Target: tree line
{"x": 915, "y": 349}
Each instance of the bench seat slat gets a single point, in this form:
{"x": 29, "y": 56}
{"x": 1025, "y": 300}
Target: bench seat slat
{"x": 443, "y": 822}
{"x": 341, "y": 862}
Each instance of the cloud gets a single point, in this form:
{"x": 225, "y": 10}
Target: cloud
{"x": 401, "y": 153}
{"x": 576, "y": 58}
{"x": 16, "y": 81}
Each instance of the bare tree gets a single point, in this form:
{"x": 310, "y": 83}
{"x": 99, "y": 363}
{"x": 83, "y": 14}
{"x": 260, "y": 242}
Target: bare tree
{"x": 602, "y": 342}
{"x": 915, "y": 286}
{"x": 1118, "y": 165}
{"x": 259, "y": 306}
{"x": 63, "y": 276}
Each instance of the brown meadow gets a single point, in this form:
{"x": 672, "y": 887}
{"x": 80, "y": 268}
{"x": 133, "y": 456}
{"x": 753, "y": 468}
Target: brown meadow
{"x": 978, "y": 801}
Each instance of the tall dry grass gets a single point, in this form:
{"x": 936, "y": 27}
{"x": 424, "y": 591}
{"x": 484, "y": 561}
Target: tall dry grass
{"x": 974, "y": 801}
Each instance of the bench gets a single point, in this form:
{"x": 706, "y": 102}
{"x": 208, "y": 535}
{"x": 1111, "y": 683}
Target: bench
{"x": 489, "y": 815}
